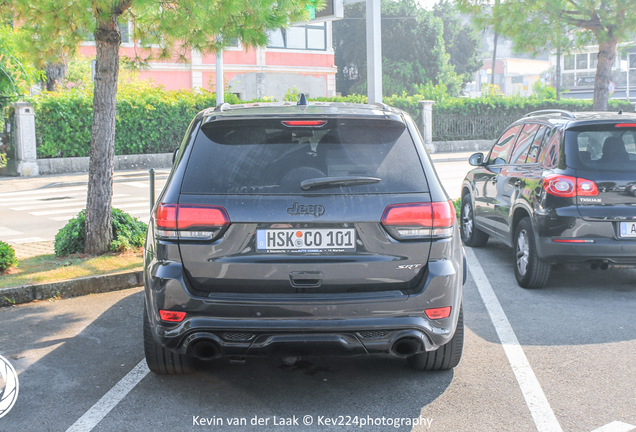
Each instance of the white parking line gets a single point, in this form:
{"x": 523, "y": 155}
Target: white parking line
{"x": 93, "y": 416}
{"x": 49, "y": 191}
{"x": 542, "y": 414}
{"x": 4, "y": 231}
{"x": 25, "y": 240}
{"x": 615, "y": 426}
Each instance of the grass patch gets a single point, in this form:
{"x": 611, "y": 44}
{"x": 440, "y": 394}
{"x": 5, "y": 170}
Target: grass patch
{"x": 49, "y": 268}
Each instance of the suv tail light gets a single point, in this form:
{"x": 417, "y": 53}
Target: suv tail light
{"x": 419, "y": 220}
{"x": 567, "y": 186}
{"x": 190, "y": 221}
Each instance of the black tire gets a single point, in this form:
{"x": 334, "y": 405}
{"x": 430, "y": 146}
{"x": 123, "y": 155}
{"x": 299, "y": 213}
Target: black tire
{"x": 471, "y": 236}
{"x": 445, "y": 357}
{"x": 162, "y": 361}
{"x": 530, "y": 270}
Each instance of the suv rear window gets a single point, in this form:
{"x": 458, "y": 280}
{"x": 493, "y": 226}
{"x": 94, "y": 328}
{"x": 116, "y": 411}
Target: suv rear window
{"x": 606, "y": 147}
{"x": 268, "y": 157}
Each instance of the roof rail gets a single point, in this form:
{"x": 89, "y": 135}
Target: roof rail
{"x": 222, "y": 107}
{"x": 381, "y": 105}
{"x": 563, "y": 113}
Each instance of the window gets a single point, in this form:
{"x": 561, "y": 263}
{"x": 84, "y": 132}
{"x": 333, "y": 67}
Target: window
{"x": 526, "y": 138}
{"x": 593, "y": 60}
{"x": 568, "y": 62}
{"x": 549, "y": 155}
{"x": 306, "y": 37}
{"x": 535, "y": 148}
{"x": 602, "y": 147}
{"x": 581, "y": 61}
{"x": 266, "y": 157}
{"x": 499, "y": 153}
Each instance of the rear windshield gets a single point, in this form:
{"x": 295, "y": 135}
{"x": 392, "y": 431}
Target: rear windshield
{"x": 268, "y": 157}
{"x": 602, "y": 147}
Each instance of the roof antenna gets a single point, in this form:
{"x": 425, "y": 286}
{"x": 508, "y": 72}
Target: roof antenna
{"x": 620, "y": 111}
{"x": 302, "y": 100}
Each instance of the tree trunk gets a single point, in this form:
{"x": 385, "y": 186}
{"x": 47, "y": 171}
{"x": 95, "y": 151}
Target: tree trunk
{"x": 606, "y": 53}
{"x": 55, "y": 72}
{"x": 100, "y": 176}
{"x": 494, "y": 59}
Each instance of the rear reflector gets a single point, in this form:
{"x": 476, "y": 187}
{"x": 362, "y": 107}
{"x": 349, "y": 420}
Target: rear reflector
{"x": 438, "y": 313}
{"x": 572, "y": 241}
{"x": 172, "y": 316}
{"x": 419, "y": 220}
{"x": 190, "y": 221}
{"x": 305, "y": 123}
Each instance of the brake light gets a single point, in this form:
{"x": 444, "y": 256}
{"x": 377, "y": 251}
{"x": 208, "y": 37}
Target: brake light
{"x": 567, "y": 186}
{"x": 419, "y": 220}
{"x": 305, "y": 123}
{"x": 190, "y": 221}
{"x": 438, "y": 313}
{"x": 172, "y": 316}
{"x": 626, "y": 125}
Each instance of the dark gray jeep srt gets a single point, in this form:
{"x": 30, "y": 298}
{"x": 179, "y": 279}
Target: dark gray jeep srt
{"x": 303, "y": 229}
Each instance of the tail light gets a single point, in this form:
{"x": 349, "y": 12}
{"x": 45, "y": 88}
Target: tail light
{"x": 419, "y": 220}
{"x": 190, "y": 221}
{"x": 567, "y": 186}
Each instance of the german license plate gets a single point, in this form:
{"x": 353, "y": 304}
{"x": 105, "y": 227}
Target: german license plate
{"x": 628, "y": 229}
{"x": 306, "y": 240}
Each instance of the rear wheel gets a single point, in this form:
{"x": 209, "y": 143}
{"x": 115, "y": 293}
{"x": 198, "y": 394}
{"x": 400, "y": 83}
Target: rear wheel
{"x": 160, "y": 360}
{"x": 445, "y": 357}
{"x": 530, "y": 270}
{"x": 471, "y": 236}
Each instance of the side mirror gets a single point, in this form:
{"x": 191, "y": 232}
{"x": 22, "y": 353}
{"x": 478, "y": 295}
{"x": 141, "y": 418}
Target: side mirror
{"x": 476, "y": 159}
{"x": 174, "y": 155}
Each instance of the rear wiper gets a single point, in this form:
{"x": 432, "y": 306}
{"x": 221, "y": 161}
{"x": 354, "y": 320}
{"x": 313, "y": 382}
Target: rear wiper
{"x": 337, "y": 181}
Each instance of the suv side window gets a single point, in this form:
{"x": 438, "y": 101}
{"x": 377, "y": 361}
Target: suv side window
{"x": 549, "y": 155}
{"x": 535, "y": 148}
{"x": 500, "y": 151}
{"x": 526, "y": 137}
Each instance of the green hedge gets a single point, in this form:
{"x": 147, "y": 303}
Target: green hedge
{"x": 154, "y": 120}
{"x": 149, "y": 120}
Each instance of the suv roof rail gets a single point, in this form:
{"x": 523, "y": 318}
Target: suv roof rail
{"x": 381, "y": 105}
{"x": 563, "y": 113}
{"x": 222, "y": 107}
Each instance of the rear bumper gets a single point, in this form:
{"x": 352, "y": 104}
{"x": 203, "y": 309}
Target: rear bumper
{"x": 622, "y": 252}
{"x": 304, "y": 324}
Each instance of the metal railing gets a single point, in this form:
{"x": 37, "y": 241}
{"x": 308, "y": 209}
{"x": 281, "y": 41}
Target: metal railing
{"x": 456, "y": 127}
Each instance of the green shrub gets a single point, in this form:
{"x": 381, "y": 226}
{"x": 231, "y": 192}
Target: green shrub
{"x": 154, "y": 120}
{"x": 7, "y": 256}
{"x": 128, "y": 233}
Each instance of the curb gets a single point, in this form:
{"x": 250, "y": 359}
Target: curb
{"x": 71, "y": 287}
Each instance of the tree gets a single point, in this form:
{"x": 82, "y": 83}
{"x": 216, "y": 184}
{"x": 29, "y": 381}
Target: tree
{"x": 461, "y": 38}
{"x": 564, "y": 23}
{"x": 413, "y": 49}
{"x": 167, "y": 30}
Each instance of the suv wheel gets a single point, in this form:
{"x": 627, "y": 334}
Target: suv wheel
{"x": 445, "y": 357}
{"x": 160, "y": 360}
{"x": 530, "y": 270}
{"x": 471, "y": 236}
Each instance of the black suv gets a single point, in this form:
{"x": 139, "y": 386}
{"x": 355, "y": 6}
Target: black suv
{"x": 557, "y": 187}
{"x": 303, "y": 229}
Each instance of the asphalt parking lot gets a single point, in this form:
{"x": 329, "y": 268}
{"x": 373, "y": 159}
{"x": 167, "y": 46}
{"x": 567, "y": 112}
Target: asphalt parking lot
{"x": 80, "y": 366}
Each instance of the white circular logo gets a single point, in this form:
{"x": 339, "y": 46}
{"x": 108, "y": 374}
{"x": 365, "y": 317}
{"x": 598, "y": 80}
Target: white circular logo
{"x": 8, "y": 386}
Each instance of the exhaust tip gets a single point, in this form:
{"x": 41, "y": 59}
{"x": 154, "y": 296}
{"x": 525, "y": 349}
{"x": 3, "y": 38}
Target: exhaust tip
{"x": 594, "y": 266}
{"x": 604, "y": 266}
{"x": 205, "y": 350}
{"x": 406, "y": 347}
